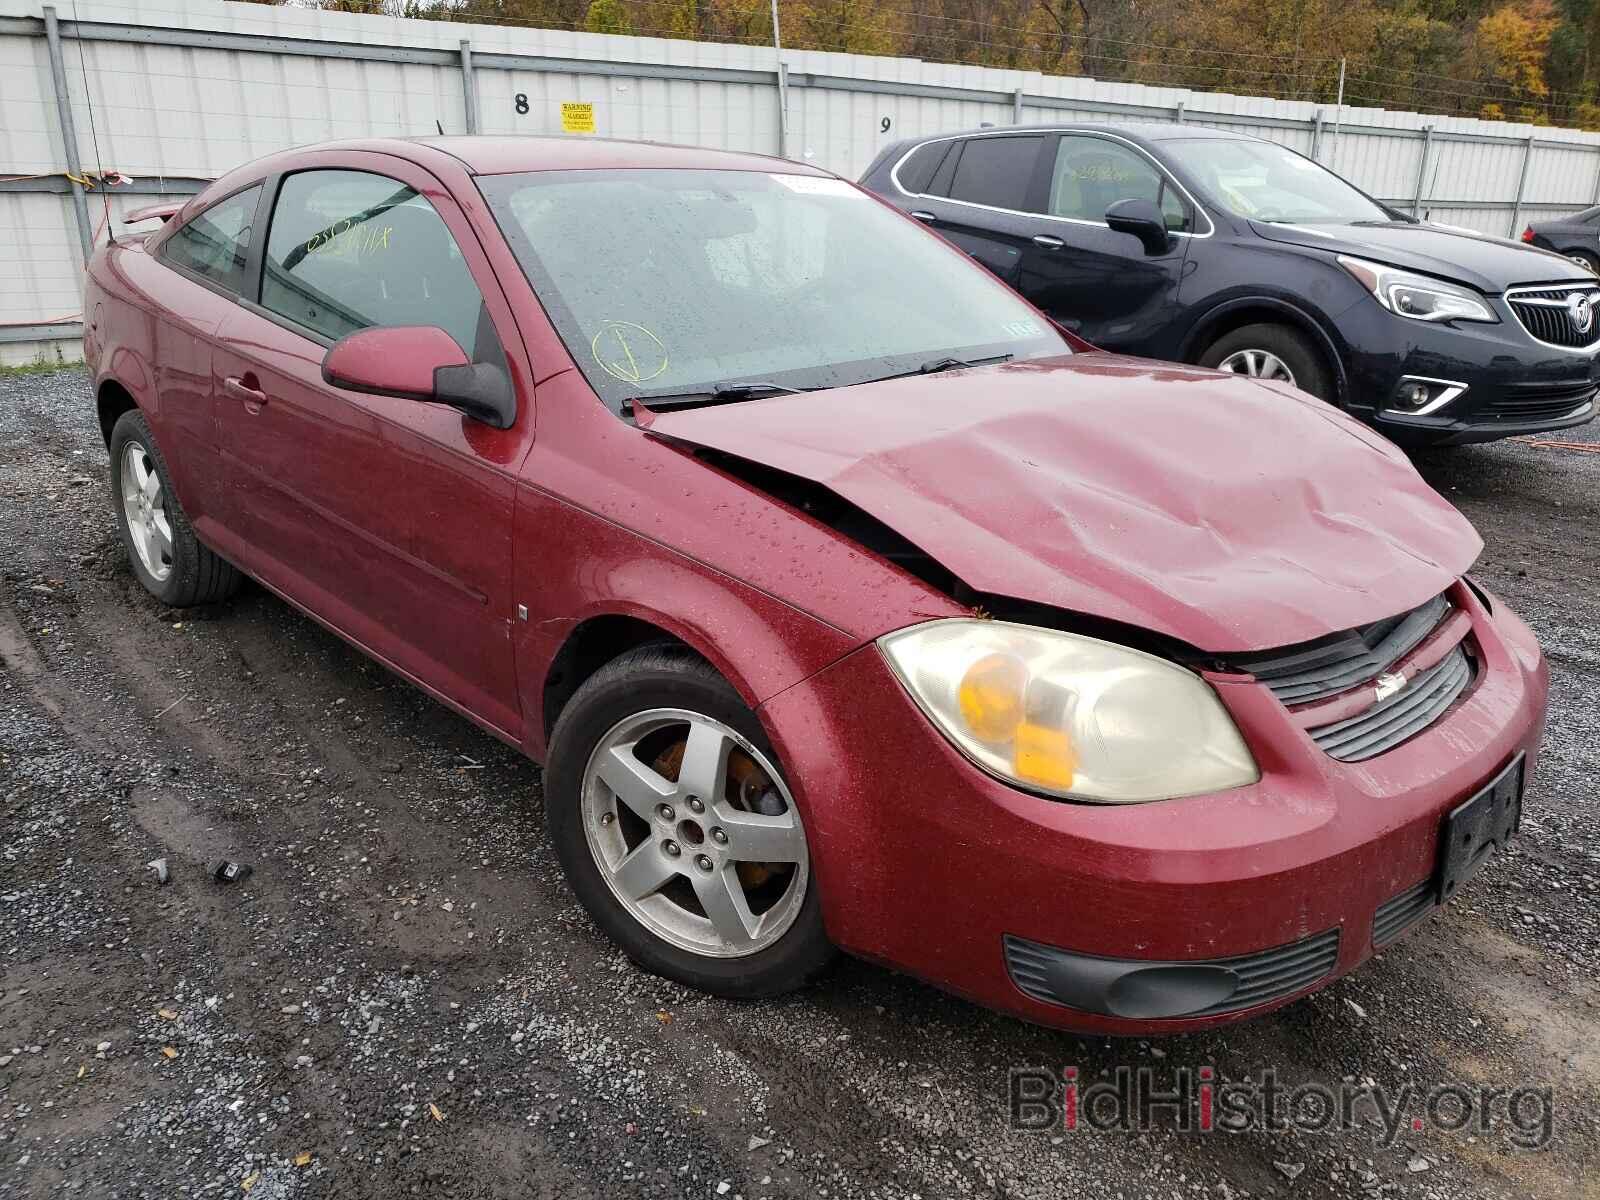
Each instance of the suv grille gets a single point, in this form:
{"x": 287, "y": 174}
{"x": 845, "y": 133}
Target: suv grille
{"x": 1550, "y": 315}
{"x": 1308, "y": 677}
{"x": 1541, "y": 402}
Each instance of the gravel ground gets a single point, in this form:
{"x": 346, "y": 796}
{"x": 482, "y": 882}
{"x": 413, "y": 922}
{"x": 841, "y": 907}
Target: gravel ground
{"x": 403, "y": 1000}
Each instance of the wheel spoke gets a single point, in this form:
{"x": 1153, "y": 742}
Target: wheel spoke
{"x": 633, "y": 783}
{"x": 152, "y": 485}
{"x": 644, "y": 871}
{"x": 162, "y": 533}
{"x": 705, "y": 762}
{"x": 722, "y": 896}
{"x": 152, "y": 546}
{"x": 755, "y": 837}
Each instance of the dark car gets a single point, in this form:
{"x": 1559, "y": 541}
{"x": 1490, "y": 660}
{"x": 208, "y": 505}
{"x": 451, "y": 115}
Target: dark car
{"x": 1576, "y": 237}
{"x": 1200, "y": 246}
{"x": 669, "y": 468}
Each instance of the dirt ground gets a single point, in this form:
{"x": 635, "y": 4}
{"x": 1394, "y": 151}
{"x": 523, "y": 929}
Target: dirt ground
{"x": 403, "y": 1000}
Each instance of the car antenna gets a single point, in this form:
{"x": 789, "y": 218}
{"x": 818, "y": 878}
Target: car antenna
{"x": 437, "y": 124}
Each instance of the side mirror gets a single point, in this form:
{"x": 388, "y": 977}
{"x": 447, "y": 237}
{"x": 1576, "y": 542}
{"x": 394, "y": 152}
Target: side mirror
{"x": 420, "y": 362}
{"x": 1144, "y": 221}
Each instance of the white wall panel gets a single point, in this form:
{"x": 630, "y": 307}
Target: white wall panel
{"x": 154, "y": 110}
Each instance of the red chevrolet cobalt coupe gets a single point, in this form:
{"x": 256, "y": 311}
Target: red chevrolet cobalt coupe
{"x": 847, "y": 601}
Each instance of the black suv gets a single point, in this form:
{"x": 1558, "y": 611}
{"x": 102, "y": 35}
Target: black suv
{"x": 1190, "y": 244}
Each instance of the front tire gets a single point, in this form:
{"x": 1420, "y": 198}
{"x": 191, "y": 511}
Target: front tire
{"x": 166, "y": 557}
{"x": 1270, "y": 351}
{"x": 677, "y": 832}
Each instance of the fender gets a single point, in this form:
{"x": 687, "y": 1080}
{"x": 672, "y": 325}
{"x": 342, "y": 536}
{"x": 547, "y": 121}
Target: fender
{"x": 1293, "y": 314}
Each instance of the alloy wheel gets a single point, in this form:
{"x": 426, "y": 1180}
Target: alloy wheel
{"x": 695, "y": 833}
{"x": 1258, "y": 364}
{"x": 1584, "y": 261}
{"x": 144, "y": 505}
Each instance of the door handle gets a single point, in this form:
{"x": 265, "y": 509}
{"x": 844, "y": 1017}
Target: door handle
{"x": 240, "y": 389}
{"x": 1046, "y": 242}
{"x": 927, "y": 218}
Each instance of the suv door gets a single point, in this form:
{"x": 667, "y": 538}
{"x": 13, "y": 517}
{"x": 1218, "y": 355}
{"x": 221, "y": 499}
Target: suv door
{"x": 980, "y": 193}
{"x": 1099, "y": 283}
{"x": 389, "y": 518}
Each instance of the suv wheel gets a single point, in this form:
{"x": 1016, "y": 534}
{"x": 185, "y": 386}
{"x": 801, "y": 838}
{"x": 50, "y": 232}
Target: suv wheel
{"x": 1586, "y": 260}
{"x": 1272, "y": 352}
{"x": 677, "y": 831}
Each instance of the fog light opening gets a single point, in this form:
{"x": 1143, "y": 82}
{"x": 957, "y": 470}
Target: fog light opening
{"x": 1417, "y": 396}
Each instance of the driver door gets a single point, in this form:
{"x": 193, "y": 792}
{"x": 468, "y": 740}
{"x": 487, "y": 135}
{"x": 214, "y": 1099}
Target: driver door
{"x": 1099, "y": 283}
{"x": 388, "y": 518}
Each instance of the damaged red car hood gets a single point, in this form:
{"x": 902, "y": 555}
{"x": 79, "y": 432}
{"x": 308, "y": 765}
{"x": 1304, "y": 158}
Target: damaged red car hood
{"x": 1227, "y": 513}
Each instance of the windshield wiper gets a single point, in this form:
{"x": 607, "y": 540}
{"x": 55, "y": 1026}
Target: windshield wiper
{"x": 722, "y": 393}
{"x": 934, "y": 366}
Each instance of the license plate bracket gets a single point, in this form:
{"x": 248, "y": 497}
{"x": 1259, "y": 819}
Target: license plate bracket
{"x": 1476, "y": 828}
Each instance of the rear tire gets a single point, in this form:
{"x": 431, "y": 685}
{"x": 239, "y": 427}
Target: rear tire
{"x": 166, "y": 557}
{"x": 1272, "y": 351}
{"x": 1587, "y": 261}
{"x": 652, "y": 847}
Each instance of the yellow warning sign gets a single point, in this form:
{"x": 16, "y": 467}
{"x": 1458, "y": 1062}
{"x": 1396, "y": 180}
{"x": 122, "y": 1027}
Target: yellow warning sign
{"x": 576, "y": 117}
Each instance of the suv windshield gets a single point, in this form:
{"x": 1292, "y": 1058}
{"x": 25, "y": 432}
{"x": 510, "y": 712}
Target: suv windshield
{"x": 1267, "y": 182}
{"x": 672, "y": 282}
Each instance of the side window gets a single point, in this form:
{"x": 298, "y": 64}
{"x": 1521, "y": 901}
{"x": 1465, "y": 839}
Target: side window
{"x": 216, "y": 243}
{"x": 916, "y": 172}
{"x": 347, "y": 250}
{"x": 996, "y": 171}
{"x": 1091, "y": 174}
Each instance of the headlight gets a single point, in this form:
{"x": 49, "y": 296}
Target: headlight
{"x": 1070, "y": 716}
{"x": 1417, "y": 296}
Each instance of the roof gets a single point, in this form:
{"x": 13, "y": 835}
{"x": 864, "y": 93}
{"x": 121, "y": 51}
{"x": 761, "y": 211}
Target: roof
{"x": 503, "y": 155}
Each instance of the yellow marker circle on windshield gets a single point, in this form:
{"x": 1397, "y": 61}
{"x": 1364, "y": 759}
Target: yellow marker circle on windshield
{"x": 628, "y": 352}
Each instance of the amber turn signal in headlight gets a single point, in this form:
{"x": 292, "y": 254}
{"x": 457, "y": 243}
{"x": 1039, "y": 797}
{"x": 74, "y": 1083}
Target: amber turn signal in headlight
{"x": 1070, "y": 716}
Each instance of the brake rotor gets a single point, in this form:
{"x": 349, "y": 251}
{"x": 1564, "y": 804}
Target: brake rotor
{"x": 747, "y": 787}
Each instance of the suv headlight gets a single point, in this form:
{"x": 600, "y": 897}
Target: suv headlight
{"x": 1418, "y": 296}
{"x": 1070, "y": 716}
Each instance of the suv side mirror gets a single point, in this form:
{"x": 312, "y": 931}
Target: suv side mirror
{"x": 420, "y": 362}
{"x": 1144, "y": 221}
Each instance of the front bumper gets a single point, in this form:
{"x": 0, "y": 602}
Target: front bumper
{"x": 1513, "y": 384}
{"x": 929, "y": 866}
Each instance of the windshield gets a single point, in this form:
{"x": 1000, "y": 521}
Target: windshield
{"x": 1267, "y": 182}
{"x": 668, "y": 282}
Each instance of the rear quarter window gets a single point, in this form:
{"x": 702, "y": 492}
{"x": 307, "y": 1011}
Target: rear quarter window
{"x": 216, "y": 244}
{"x": 916, "y": 172}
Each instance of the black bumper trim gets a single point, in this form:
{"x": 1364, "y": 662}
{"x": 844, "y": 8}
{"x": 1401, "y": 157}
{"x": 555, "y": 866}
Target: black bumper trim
{"x": 1140, "y": 989}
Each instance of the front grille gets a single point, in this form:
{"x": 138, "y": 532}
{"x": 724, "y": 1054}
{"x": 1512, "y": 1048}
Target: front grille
{"x": 1263, "y": 977}
{"x": 1400, "y": 912}
{"x": 1403, "y": 715}
{"x": 1316, "y": 670}
{"x": 1539, "y": 402}
{"x": 1545, "y": 314}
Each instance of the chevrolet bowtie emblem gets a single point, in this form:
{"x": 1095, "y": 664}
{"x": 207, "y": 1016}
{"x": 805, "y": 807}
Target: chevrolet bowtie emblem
{"x": 1389, "y": 683}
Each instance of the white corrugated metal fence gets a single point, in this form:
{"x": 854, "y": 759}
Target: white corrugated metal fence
{"x": 172, "y": 93}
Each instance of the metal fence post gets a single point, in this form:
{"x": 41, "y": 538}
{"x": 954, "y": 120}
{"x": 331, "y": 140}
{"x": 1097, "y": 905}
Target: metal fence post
{"x": 1316, "y": 135}
{"x": 469, "y": 86}
{"x": 69, "y": 132}
{"x": 1177, "y": 113}
{"x": 1422, "y": 169}
{"x": 1016, "y": 106}
{"x": 783, "y": 86}
{"x": 1522, "y": 184}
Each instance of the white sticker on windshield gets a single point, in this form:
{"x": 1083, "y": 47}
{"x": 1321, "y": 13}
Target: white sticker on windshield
{"x": 812, "y": 185}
